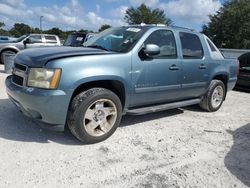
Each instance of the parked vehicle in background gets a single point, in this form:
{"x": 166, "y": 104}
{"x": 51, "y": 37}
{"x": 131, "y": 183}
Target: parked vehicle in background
{"x": 4, "y": 39}
{"x": 127, "y": 70}
{"x": 28, "y": 41}
{"x": 76, "y": 39}
{"x": 233, "y": 53}
{"x": 89, "y": 36}
{"x": 243, "y": 81}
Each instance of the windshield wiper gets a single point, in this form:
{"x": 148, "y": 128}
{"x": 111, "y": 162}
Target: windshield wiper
{"x": 97, "y": 46}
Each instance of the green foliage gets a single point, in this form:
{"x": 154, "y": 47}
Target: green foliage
{"x": 2, "y": 24}
{"x": 2, "y": 31}
{"x": 230, "y": 27}
{"x": 20, "y": 29}
{"x": 104, "y": 27}
{"x": 84, "y": 31}
{"x": 35, "y": 30}
{"x": 56, "y": 31}
{"x": 144, "y": 14}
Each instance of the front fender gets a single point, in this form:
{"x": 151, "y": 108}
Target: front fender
{"x": 13, "y": 48}
{"x": 80, "y": 70}
{"x": 100, "y": 78}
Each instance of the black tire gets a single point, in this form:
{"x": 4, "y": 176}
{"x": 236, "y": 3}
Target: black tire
{"x": 1, "y": 55}
{"x": 77, "y": 112}
{"x": 207, "y": 101}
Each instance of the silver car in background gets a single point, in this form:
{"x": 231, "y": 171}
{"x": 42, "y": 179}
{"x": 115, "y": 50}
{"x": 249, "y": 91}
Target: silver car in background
{"x": 28, "y": 41}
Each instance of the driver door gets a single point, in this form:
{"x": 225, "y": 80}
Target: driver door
{"x": 34, "y": 41}
{"x": 157, "y": 79}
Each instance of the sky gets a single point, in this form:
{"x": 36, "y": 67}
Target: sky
{"x": 91, "y": 14}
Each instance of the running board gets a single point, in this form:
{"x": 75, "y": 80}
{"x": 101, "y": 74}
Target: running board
{"x": 162, "y": 107}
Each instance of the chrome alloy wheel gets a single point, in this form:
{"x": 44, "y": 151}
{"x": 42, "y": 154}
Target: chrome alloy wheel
{"x": 217, "y": 96}
{"x": 100, "y": 117}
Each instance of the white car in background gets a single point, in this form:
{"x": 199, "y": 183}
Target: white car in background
{"x": 28, "y": 41}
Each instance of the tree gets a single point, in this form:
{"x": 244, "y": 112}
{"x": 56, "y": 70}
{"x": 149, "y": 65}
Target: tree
{"x": 104, "y": 27}
{"x": 2, "y": 24}
{"x": 54, "y": 31}
{"x": 144, "y": 14}
{"x": 58, "y": 32}
{"x": 3, "y": 31}
{"x": 230, "y": 26}
{"x": 20, "y": 29}
{"x": 35, "y": 30}
{"x": 83, "y": 31}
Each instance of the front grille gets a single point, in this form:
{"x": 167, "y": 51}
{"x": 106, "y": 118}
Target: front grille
{"x": 17, "y": 80}
{"x": 19, "y": 74}
{"x": 21, "y": 67}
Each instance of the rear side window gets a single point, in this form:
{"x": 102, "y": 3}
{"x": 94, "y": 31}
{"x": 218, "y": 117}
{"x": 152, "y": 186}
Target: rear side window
{"x": 212, "y": 48}
{"x": 191, "y": 46}
{"x": 50, "y": 39}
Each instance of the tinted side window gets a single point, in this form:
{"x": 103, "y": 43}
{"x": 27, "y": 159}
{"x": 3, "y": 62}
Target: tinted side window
{"x": 166, "y": 41}
{"x": 50, "y": 39}
{"x": 35, "y": 39}
{"x": 191, "y": 46}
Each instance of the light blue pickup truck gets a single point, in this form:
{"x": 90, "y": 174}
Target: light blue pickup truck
{"x": 126, "y": 70}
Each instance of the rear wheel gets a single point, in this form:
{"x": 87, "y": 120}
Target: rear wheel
{"x": 94, "y": 115}
{"x": 215, "y": 96}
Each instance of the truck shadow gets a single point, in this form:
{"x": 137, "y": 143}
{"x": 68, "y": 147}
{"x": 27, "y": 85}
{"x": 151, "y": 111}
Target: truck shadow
{"x": 129, "y": 120}
{"x": 242, "y": 90}
{"x": 15, "y": 126}
{"x": 237, "y": 160}
{"x": 194, "y": 108}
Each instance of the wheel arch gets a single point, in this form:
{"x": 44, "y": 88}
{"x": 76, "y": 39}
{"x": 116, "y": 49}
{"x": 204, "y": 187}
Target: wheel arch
{"x": 115, "y": 86}
{"x": 9, "y": 48}
{"x": 224, "y": 78}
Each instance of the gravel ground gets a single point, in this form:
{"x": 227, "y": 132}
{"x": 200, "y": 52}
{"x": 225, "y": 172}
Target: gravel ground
{"x": 176, "y": 148}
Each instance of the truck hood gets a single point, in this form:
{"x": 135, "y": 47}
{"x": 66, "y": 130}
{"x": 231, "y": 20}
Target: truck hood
{"x": 38, "y": 57}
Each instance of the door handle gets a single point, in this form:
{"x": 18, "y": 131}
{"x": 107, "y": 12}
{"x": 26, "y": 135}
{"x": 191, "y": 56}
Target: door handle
{"x": 173, "y": 67}
{"x": 202, "y": 66}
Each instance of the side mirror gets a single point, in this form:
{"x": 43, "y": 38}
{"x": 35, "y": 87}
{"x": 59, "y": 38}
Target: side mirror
{"x": 151, "y": 50}
{"x": 26, "y": 41}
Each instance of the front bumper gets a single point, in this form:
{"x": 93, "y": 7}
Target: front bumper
{"x": 47, "y": 106}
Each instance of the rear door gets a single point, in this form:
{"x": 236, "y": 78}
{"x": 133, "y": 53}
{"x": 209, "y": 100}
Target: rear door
{"x": 50, "y": 40}
{"x": 194, "y": 66}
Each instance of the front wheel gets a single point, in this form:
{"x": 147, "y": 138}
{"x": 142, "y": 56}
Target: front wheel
{"x": 214, "y": 97}
{"x": 94, "y": 115}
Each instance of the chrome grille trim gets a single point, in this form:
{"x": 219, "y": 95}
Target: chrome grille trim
{"x": 21, "y": 71}
{"x": 21, "y": 67}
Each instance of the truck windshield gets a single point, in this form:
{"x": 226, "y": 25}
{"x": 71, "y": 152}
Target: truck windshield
{"x": 120, "y": 39}
{"x": 21, "y": 38}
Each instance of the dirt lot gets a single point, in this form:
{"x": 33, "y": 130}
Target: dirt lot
{"x": 176, "y": 148}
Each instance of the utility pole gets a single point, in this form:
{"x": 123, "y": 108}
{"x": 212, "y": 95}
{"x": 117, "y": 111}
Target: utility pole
{"x": 41, "y": 17}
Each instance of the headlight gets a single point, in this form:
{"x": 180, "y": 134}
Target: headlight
{"x": 44, "y": 78}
